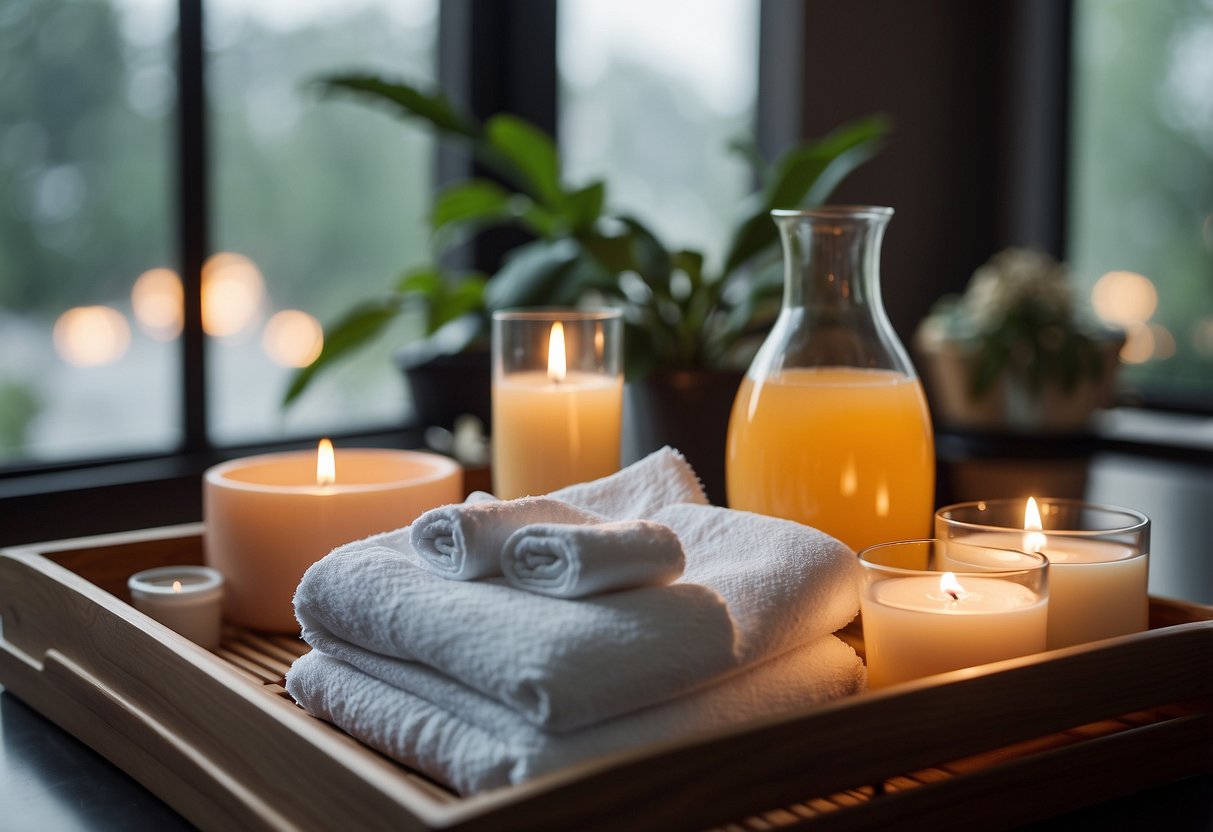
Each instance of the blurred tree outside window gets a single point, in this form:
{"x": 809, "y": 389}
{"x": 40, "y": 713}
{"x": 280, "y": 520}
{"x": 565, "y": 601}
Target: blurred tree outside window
{"x": 1141, "y": 209}
{"x": 86, "y": 130}
{"x": 314, "y": 204}
{"x": 651, "y": 96}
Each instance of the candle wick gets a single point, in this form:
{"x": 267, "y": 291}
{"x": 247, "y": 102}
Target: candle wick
{"x": 955, "y": 595}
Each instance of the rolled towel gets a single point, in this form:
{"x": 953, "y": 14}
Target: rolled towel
{"x": 527, "y": 651}
{"x": 663, "y": 478}
{"x": 477, "y": 744}
{"x": 573, "y": 561}
{"x": 779, "y": 583}
{"x": 463, "y": 541}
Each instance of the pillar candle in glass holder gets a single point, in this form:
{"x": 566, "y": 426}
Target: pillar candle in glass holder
{"x": 918, "y": 620}
{"x": 1098, "y": 555}
{"x": 268, "y": 518}
{"x": 557, "y": 398}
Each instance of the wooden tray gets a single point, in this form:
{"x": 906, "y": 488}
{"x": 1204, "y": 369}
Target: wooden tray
{"x": 215, "y": 736}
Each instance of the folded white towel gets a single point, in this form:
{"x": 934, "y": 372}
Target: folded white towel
{"x": 566, "y": 561}
{"x": 477, "y": 744}
{"x": 784, "y": 585}
{"x": 662, "y": 478}
{"x": 464, "y": 541}
{"x": 528, "y": 651}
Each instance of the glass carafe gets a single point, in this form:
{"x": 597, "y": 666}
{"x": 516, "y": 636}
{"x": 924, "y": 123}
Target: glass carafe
{"x": 830, "y": 426}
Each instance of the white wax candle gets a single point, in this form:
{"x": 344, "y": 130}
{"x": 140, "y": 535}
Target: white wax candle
{"x": 186, "y": 599}
{"x": 548, "y": 434}
{"x": 911, "y": 628}
{"x": 1097, "y": 588}
{"x": 267, "y": 520}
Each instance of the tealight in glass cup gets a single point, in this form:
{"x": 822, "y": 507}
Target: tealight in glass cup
{"x": 557, "y": 398}
{"x": 1098, "y": 555}
{"x": 927, "y": 611}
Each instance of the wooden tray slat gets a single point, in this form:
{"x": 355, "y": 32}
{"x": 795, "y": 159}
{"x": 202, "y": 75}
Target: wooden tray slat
{"x": 202, "y": 733}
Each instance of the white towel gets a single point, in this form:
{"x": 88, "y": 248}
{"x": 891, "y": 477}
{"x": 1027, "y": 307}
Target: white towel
{"x": 532, "y": 653}
{"x": 784, "y": 585}
{"x": 569, "y": 561}
{"x": 464, "y": 541}
{"x": 662, "y": 478}
{"x": 490, "y": 746}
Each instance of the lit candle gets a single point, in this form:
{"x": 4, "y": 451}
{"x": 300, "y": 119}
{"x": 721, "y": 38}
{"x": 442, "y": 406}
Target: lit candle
{"x": 1098, "y": 576}
{"x": 268, "y": 518}
{"x": 918, "y": 622}
{"x": 557, "y": 423}
{"x": 186, "y": 599}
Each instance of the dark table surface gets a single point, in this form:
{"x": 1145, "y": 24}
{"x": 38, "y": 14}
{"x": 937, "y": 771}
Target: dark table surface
{"x": 51, "y": 782}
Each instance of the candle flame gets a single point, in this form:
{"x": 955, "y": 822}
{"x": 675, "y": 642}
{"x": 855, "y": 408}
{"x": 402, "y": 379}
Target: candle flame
{"x": 176, "y": 586}
{"x": 326, "y": 463}
{"x": 949, "y": 584}
{"x": 556, "y": 361}
{"x": 1033, "y": 540}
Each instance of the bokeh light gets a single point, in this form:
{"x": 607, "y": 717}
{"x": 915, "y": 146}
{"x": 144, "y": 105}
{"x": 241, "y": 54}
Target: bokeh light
{"x": 90, "y": 336}
{"x": 232, "y": 289}
{"x": 159, "y": 303}
{"x": 1164, "y": 342}
{"x": 293, "y": 338}
{"x": 1139, "y": 343}
{"x": 1124, "y": 298}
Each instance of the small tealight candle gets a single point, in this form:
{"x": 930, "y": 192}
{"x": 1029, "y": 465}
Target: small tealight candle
{"x": 1098, "y": 556}
{"x": 186, "y": 599}
{"x": 557, "y": 399}
{"x": 268, "y": 518}
{"x": 919, "y": 621}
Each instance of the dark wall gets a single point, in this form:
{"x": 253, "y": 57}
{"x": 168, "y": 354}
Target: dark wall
{"x": 966, "y": 167}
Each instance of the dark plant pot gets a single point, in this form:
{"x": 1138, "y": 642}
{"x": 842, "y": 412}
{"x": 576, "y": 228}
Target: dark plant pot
{"x": 446, "y": 386}
{"x": 688, "y": 410}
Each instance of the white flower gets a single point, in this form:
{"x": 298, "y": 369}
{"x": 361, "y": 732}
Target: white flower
{"x": 1017, "y": 280}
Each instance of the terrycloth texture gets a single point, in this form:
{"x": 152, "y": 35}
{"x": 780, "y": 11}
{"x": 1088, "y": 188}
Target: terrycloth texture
{"x": 566, "y": 561}
{"x": 463, "y": 541}
{"x": 662, "y": 478}
{"x": 491, "y": 746}
{"x": 785, "y": 583}
{"x": 532, "y": 653}
{"x": 565, "y": 665}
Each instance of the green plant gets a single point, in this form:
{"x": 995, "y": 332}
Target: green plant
{"x": 678, "y": 315}
{"x": 1018, "y": 317}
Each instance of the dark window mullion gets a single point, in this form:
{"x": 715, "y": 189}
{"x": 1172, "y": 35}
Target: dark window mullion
{"x": 192, "y": 217}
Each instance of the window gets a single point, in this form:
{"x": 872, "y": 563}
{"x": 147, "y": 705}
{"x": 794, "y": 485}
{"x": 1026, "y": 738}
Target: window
{"x": 1141, "y": 214}
{"x": 87, "y": 361}
{"x": 312, "y": 203}
{"x": 651, "y": 96}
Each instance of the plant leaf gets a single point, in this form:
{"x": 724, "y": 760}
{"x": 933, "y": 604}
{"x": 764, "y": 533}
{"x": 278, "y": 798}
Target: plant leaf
{"x": 477, "y": 200}
{"x": 426, "y": 281}
{"x": 531, "y": 153}
{"x": 460, "y": 297}
{"x": 584, "y": 207}
{"x": 433, "y": 108}
{"x": 529, "y": 274}
{"x": 650, "y": 258}
{"x": 805, "y": 174}
{"x": 359, "y": 326}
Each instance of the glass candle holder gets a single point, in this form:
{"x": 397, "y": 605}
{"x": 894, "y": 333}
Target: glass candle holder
{"x": 1098, "y": 555}
{"x": 921, "y": 616}
{"x": 557, "y": 398}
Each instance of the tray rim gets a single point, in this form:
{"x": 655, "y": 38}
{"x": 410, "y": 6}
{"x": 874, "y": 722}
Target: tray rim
{"x": 568, "y": 783}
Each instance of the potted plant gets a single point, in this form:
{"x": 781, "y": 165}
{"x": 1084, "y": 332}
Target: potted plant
{"x": 687, "y": 327}
{"x": 1014, "y": 353}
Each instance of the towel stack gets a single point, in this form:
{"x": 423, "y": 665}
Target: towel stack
{"x": 480, "y": 683}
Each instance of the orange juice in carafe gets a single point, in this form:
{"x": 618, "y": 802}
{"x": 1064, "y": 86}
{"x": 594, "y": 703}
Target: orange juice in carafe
{"x": 845, "y": 449}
